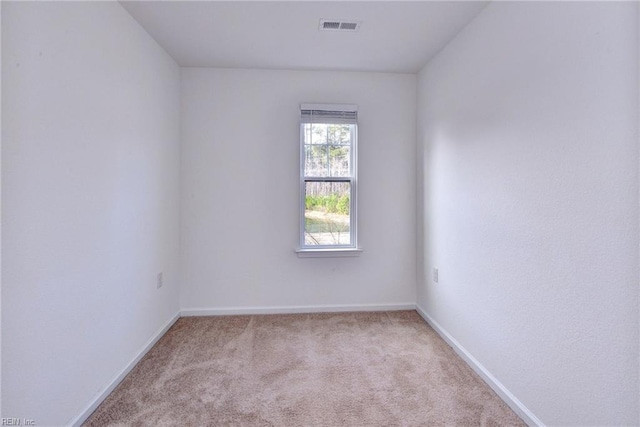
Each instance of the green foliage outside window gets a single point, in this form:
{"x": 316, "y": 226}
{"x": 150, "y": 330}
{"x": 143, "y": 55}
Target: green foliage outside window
{"x": 330, "y": 203}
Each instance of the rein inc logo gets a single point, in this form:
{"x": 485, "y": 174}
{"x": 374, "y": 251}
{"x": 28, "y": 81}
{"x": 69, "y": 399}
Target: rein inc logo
{"x": 17, "y": 422}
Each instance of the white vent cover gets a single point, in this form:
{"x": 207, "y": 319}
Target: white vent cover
{"x": 339, "y": 25}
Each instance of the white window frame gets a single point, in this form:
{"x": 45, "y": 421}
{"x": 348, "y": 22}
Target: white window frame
{"x": 331, "y": 250}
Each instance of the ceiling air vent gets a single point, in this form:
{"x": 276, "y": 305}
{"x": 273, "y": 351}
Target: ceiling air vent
{"x": 339, "y": 25}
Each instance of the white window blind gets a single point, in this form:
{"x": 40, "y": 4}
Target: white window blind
{"x": 329, "y": 116}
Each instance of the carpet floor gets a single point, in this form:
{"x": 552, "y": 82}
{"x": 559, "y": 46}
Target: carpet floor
{"x": 329, "y": 369}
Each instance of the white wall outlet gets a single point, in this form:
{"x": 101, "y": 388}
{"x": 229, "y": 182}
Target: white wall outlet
{"x": 160, "y": 280}
{"x": 435, "y": 274}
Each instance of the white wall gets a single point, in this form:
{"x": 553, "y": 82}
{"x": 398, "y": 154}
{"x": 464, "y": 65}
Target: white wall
{"x": 528, "y": 138}
{"x": 0, "y": 209}
{"x": 90, "y": 201}
{"x": 240, "y": 188}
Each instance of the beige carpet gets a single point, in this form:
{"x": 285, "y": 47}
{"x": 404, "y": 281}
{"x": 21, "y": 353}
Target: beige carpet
{"x": 347, "y": 369}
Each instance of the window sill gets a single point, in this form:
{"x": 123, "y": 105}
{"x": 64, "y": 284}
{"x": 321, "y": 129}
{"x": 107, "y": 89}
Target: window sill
{"x": 328, "y": 252}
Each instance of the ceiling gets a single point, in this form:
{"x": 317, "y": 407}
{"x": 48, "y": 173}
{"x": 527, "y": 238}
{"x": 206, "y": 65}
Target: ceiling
{"x": 394, "y": 36}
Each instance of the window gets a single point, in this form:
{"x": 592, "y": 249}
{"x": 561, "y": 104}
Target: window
{"x": 328, "y": 171}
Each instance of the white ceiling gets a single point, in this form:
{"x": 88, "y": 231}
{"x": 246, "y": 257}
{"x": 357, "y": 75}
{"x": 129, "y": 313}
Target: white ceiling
{"x": 395, "y": 36}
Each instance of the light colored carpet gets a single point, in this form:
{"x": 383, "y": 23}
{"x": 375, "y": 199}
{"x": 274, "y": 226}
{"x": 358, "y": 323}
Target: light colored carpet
{"x": 339, "y": 369}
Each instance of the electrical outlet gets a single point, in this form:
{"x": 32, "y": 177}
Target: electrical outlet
{"x": 160, "y": 280}
{"x": 435, "y": 274}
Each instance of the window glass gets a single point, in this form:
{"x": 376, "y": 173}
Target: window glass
{"x": 327, "y": 218}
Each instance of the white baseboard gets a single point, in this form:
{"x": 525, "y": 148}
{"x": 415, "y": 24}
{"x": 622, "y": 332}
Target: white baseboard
{"x": 113, "y": 384}
{"x": 335, "y": 308}
{"x": 508, "y": 397}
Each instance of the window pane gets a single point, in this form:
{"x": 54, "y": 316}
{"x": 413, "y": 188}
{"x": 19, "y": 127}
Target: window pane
{"x": 315, "y": 133}
{"x": 339, "y": 134}
{"x": 339, "y": 160}
{"x": 315, "y": 160}
{"x": 327, "y": 217}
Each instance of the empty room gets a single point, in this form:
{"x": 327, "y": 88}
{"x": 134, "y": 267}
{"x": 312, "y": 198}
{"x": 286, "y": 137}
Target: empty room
{"x": 320, "y": 213}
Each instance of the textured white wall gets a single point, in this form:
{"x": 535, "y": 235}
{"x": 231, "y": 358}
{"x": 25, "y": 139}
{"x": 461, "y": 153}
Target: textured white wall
{"x": 0, "y": 210}
{"x": 528, "y": 140}
{"x": 240, "y": 188}
{"x": 90, "y": 201}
